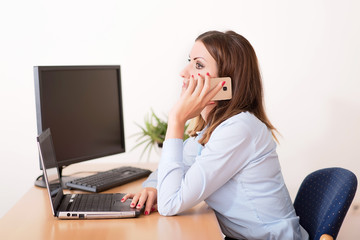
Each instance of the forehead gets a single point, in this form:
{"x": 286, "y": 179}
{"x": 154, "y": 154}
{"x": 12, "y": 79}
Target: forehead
{"x": 199, "y": 50}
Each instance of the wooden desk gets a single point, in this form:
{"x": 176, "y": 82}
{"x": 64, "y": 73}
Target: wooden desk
{"x": 31, "y": 218}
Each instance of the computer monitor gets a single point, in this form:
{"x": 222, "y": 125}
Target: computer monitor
{"x": 82, "y": 105}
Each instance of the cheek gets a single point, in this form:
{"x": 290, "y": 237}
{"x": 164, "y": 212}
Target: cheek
{"x": 214, "y": 74}
{"x": 203, "y": 72}
{"x": 188, "y": 71}
{"x": 212, "y": 70}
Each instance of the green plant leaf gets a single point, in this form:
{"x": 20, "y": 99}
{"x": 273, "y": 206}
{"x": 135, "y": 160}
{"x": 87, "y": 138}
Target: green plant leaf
{"x": 152, "y": 133}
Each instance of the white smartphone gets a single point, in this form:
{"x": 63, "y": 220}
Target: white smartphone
{"x": 226, "y": 92}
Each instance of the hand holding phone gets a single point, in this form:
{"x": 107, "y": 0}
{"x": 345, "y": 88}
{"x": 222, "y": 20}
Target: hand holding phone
{"x": 226, "y": 92}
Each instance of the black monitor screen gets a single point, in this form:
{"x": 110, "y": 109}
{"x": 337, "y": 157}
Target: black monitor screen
{"x": 82, "y": 105}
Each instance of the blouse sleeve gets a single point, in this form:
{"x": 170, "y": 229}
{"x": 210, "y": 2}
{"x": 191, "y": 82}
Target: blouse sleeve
{"x": 189, "y": 154}
{"x": 179, "y": 188}
{"x": 151, "y": 181}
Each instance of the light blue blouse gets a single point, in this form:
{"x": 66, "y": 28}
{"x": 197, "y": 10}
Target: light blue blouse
{"x": 237, "y": 173}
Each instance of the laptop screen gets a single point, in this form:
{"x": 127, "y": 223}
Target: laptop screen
{"x": 50, "y": 168}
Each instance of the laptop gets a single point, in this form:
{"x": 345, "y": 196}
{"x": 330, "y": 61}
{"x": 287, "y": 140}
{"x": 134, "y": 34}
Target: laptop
{"x": 78, "y": 206}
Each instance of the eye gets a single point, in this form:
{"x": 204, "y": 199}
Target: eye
{"x": 199, "y": 65}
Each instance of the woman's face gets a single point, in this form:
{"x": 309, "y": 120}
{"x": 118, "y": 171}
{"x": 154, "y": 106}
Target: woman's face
{"x": 200, "y": 62}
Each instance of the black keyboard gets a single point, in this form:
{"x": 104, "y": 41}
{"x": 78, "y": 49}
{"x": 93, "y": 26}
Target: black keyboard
{"x": 105, "y": 180}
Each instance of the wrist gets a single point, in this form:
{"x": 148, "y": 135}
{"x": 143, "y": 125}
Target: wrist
{"x": 175, "y": 128}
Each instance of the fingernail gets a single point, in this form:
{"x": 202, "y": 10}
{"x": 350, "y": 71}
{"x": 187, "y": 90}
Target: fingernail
{"x": 153, "y": 209}
{"x": 133, "y": 204}
{"x": 208, "y": 74}
{"x": 122, "y": 199}
{"x": 223, "y": 83}
{"x": 199, "y": 74}
{"x": 192, "y": 76}
{"x": 146, "y": 213}
{"x": 212, "y": 102}
{"x": 138, "y": 205}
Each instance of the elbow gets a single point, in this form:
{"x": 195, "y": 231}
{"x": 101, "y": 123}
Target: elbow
{"x": 169, "y": 203}
{"x": 166, "y": 214}
{"x": 166, "y": 210}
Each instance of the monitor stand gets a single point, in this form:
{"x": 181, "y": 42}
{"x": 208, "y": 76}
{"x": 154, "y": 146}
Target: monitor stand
{"x": 40, "y": 180}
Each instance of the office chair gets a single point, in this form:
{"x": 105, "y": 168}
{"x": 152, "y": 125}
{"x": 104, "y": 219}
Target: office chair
{"x": 323, "y": 200}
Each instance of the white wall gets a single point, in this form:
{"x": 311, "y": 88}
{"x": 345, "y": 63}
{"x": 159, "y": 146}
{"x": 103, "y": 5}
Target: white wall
{"x": 308, "y": 51}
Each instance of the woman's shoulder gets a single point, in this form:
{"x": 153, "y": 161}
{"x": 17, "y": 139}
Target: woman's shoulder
{"x": 244, "y": 124}
{"x": 243, "y": 119}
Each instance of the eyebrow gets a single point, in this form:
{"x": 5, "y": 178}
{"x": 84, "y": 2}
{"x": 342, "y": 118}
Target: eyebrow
{"x": 195, "y": 58}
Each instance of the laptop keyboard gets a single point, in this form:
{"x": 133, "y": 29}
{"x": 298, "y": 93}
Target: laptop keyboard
{"x": 92, "y": 202}
{"x": 105, "y": 180}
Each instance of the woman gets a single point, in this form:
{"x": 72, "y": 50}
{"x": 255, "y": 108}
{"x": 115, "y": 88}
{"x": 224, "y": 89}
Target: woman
{"x": 231, "y": 160}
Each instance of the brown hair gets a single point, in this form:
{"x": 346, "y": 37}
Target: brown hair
{"x": 235, "y": 58}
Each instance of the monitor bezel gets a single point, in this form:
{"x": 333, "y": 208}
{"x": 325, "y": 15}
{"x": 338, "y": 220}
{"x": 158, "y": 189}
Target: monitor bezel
{"x": 39, "y": 110}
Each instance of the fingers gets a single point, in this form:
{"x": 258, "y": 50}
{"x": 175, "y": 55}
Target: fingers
{"x": 142, "y": 199}
{"x": 184, "y": 86}
{"x": 147, "y": 196}
{"x": 206, "y": 85}
{"x": 207, "y": 93}
{"x": 199, "y": 86}
{"x": 127, "y": 196}
{"x": 191, "y": 86}
{"x": 193, "y": 100}
{"x": 150, "y": 202}
{"x": 135, "y": 199}
{"x": 138, "y": 200}
{"x": 214, "y": 91}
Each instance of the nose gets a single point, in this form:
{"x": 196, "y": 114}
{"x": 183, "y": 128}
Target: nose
{"x": 185, "y": 72}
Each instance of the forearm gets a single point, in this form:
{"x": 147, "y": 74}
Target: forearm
{"x": 151, "y": 181}
{"x": 175, "y": 128}
{"x": 170, "y": 175}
